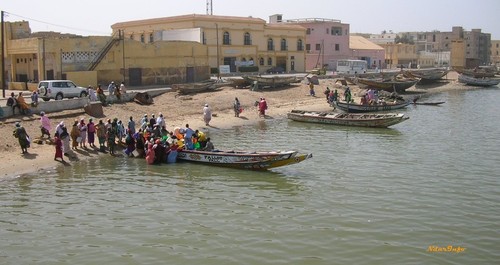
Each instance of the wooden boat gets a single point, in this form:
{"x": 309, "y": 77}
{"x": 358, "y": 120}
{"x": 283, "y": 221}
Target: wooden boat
{"x": 426, "y": 75}
{"x": 353, "y": 107}
{"x": 396, "y": 85}
{"x": 478, "y": 72}
{"x": 429, "y": 103}
{"x": 379, "y": 120}
{"x": 238, "y": 82}
{"x": 473, "y": 81}
{"x": 198, "y": 87}
{"x": 271, "y": 81}
{"x": 243, "y": 160}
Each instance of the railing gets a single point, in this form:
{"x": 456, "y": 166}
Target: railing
{"x": 103, "y": 52}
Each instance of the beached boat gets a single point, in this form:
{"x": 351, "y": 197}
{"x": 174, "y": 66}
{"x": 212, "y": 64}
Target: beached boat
{"x": 426, "y": 75}
{"x": 238, "y": 82}
{"x": 429, "y": 103}
{"x": 198, "y": 87}
{"x": 379, "y": 120}
{"x": 243, "y": 160}
{"x": 353, "y": 107}
{"x": 271, "y": 81}
{"x": 397, "y": 85}
{"x": 473, "y": 81}
{"x": 478, "y": 72}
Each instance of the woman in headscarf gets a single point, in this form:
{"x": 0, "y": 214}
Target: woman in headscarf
{"x": 91, "y": 132}
{"x": 22, "y": 136}
{"x": 59, "y": 148}
{"x": 45, "y": 124}
{"x": 75, "y": 133}
{"x": 23, "y": 106}
{"x": 82, "y": 127}
{"x": 207, "y": 115}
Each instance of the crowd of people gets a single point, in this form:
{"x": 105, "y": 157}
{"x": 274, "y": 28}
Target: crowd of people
{"x": 148, "y": 139}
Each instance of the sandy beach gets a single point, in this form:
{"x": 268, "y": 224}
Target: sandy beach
{"x": 177, "y": 110}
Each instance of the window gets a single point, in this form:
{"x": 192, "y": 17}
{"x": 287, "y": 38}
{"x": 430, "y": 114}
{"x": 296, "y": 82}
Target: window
{"x": 225, "y": 38}
{"x": 247, "y": 40}
{"x": 151, "y": 38}
{"x": 300, "y": 46}
{"x": 327, "y": 31}
{"x": 308, "y": 31}
{"x": 142, "y": 38}
{"x": 308, "y": 47}
{"x": 269, "y": 61}
{"x": 283, "y": 45}
{"x": 318, "y": 47}
{"x": 261, "y": 61}
{"x": 270, "y": 44}
{"x": 336, "y": 31}
{"x": 337, "y": 47}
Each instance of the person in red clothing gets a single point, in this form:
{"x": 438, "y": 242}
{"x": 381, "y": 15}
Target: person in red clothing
{"x": 59, "y": 149}
{"x": 262, "y": 107}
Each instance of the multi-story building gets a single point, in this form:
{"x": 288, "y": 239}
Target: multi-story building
{"x": 363, "y": 49}
{"x": 495, "y": 52}
{"x": 237, "y": 42}
{"x": 327, "y": 40}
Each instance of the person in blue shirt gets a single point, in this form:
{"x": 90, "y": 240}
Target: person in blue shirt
{"x": 188, "y": 135}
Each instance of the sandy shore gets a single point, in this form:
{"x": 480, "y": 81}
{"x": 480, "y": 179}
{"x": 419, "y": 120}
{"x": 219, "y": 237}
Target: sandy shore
{"x": 178, "y": 110}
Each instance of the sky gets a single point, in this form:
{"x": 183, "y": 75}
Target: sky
{"x": 95, "y": 17}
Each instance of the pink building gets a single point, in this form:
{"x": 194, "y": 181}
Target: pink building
{"x": 328, "y": 40}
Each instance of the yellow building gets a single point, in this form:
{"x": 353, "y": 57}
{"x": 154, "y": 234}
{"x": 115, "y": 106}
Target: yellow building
{"x": 397, "y": 54}
{"x": 241, "y": 43}
{"x": 31, "y": 57}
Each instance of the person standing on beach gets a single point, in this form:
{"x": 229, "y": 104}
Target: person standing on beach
{"x": 207, "y": 115}
{"x": 91, "y": 132}
{"x": 131, "y": 125}
{"x": 262, "y": 107}
{"x": 161, "y": 121}
{"x": 83, "y": 133}
{"x": 123, "y": 89}
{"x": 101, "y": 135}
{"x": 59, "y": 148}
{"x": 75, "y": 133}
{"x": 64, "y": 135}
{"x": 45, "y": 128}
{"x": 236, "y": 107}
{"x": 111, "y": 88}
{"x": 22, "y": 136}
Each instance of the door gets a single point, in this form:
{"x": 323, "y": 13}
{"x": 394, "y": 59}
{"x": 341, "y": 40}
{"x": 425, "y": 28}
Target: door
{"x": 281, "y": 62}
{"x": 189, "y": 74}
{"x": 135, "y": 76}
{"x": 231, "y": 61}
{"x": 50, "y": 75}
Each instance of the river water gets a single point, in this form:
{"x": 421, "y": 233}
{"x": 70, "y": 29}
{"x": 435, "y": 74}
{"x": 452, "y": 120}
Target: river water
{"x": 368, "y": 196}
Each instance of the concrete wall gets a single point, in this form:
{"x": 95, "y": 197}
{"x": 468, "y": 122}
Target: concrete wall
{"x": 69, "y": 104}
{"x": 83, "y": 78}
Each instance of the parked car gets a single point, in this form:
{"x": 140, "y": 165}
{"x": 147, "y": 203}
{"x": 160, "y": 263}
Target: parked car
{"x": 59, "y": 89}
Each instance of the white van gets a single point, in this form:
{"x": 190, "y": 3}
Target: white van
{"x": 59, "y": 89}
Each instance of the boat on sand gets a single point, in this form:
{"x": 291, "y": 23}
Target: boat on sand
{"x": 378, "y": 120}
{"x": 243, "y": 159}
{"x": 473, "y": 81}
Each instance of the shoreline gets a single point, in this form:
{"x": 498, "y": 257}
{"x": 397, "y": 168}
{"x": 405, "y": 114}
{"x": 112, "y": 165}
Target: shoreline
{"x": 178, "y": 110}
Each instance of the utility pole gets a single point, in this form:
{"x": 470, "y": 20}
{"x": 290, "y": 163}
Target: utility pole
{"x": 217, "y": 38}
{"x": 3, "y": 55}
{"x": 209, "y": 7}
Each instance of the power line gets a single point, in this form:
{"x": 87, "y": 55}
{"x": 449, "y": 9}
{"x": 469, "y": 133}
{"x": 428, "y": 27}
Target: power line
{"x": 56, "y": 25}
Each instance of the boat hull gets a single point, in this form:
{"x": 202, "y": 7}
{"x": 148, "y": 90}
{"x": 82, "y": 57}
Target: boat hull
{"x": 389, "y": 86}
{"x": 351, "y": 107}
{"x": 348, "y": 119}
{"x": 243, "y": 160}
{"x": 472, "y": 81}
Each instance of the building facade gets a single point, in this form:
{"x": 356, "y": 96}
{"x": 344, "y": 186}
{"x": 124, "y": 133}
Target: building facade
{"x": 237, "y": 42}
{"x": 495, "y": 52}
{"x": 327, "y": 40}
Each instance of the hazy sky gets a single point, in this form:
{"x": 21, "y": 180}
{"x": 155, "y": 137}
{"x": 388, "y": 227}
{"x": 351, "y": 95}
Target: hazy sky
{"x": 92, "y": 17}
